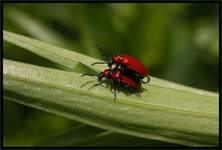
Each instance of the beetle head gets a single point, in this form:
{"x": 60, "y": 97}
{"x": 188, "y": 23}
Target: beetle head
{"x": 100, "y": 76}
{"x": 110, "y": 62}
{"x": 117, "y": 59}
{"x": 107, "y": 73}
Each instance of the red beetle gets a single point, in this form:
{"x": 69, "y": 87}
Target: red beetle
{"x": 130, "y": 63}
{"x": 119, "y": 77}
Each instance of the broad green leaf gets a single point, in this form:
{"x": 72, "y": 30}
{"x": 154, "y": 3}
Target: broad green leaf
{"x": 61, "y": 56}
{"x": 35, "y": 27}
{"x": 160, "y": 88}
{"x": 165, "y": 111}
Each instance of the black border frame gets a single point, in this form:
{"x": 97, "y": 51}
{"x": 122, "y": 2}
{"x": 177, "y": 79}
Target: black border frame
{"x": 112, "y": 1}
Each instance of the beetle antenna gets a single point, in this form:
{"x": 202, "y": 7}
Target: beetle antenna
{"x": 88, "y": 74}
{"x": 99, "y": 49}
{"x": 103, "y": 62}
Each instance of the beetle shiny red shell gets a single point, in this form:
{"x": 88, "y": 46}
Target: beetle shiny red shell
{"x": 131, "y": 63}
{"x": 128, "y": 63}
{"x": 120, "y": 77}
{"x": 123, "y": 78}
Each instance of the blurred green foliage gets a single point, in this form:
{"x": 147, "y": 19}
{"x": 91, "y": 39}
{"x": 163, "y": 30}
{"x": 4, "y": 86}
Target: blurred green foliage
{"x": 177, "y": 42}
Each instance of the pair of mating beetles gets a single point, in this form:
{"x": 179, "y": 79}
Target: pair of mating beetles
{"x": 128, "y": 72}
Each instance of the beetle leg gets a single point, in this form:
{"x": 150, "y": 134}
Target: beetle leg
{"x": 126, "y": 85}
{"x": 114, "y": 89}
{"x": 120, "y": 66}
{"x": 114, "y": 92}
{"x": 147, "y": 80}
{"x": 138, "y": 94}
{"x": 116, "y": 66}
{"x": 96, "y": 84}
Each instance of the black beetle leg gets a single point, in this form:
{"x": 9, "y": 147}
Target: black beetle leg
{"x": 114, "y": 92}
{"x": 138, "y": 93}
{"x": 96, "y": 84}
{"x": 116, "y": 66}
{"x": 114, "y": 89}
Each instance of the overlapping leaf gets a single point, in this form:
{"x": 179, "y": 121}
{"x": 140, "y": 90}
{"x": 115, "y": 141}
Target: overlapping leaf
{"x": 165, "y": 111}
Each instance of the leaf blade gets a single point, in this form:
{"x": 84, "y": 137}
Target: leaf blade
{"x": 75, "y": 102}
{"x": 61, "y": 56}
{"x": 71, "y": 59}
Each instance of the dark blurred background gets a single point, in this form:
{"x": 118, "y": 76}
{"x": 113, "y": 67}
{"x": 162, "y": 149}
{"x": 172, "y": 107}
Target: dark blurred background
{"x": 177, "y": 42}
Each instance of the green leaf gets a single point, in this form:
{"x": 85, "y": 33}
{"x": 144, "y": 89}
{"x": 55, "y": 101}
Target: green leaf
{"x": 165, "y": 111}
{"x": 71, "y": 60}
{"x": 66, "y": 94}
{"x": 64, "y": 57}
